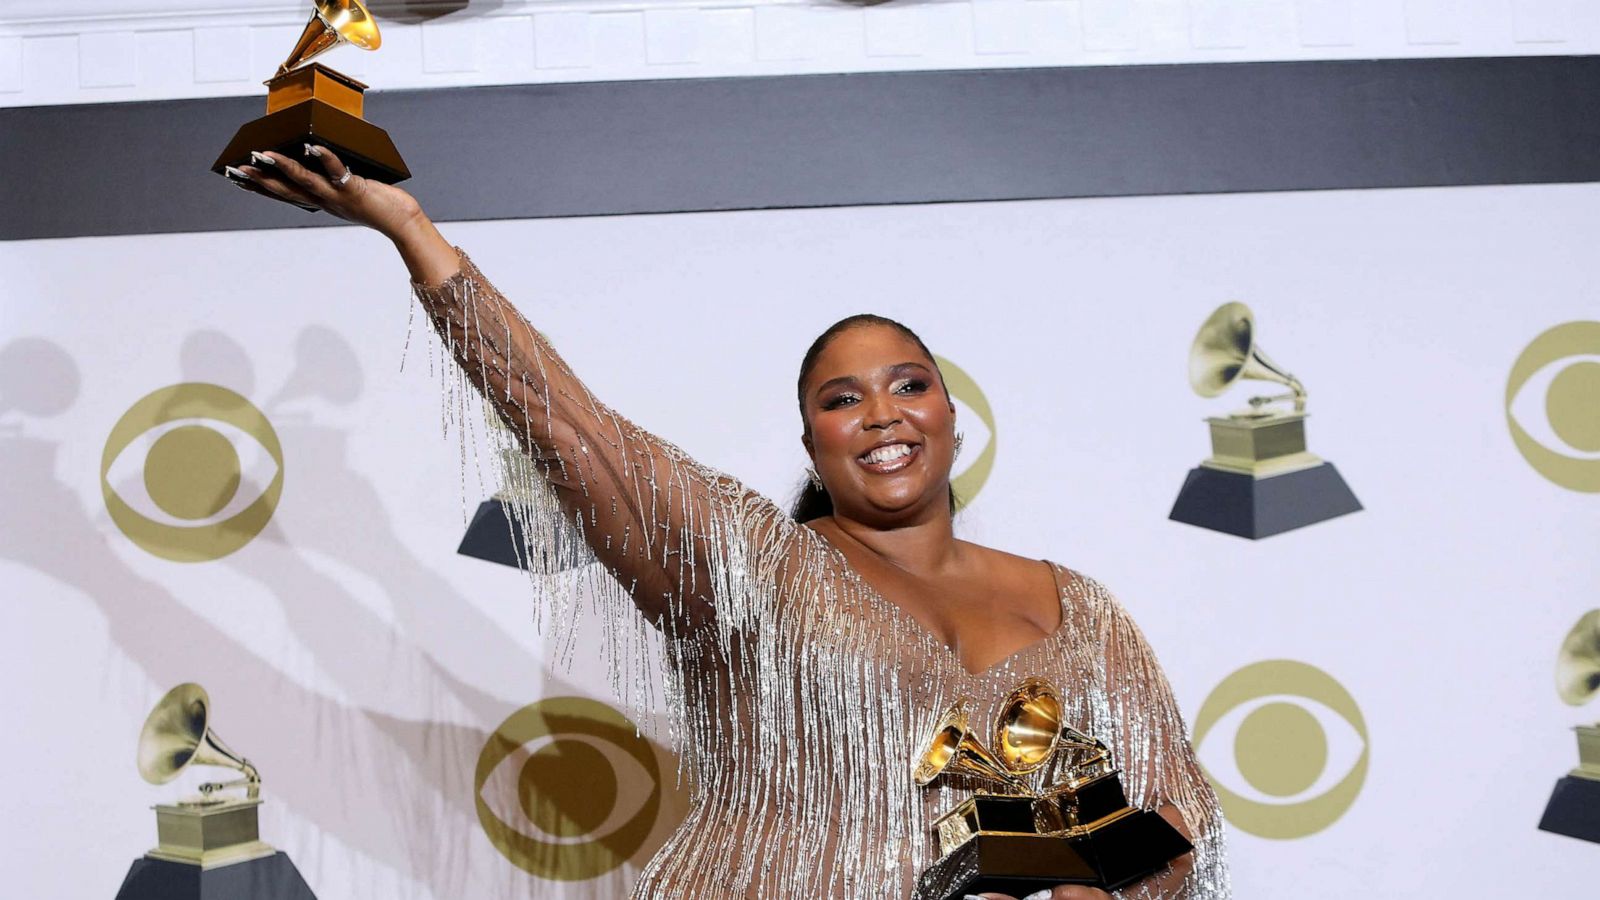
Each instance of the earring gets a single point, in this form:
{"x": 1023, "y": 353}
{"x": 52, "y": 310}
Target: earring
{"x": 814, "y": 478}
{"x": 960, "y": 438}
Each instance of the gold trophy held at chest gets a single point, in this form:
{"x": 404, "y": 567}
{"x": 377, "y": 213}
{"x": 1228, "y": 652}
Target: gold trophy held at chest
{"x": 308, "y": 102}
{"x": 1052, "y": 810}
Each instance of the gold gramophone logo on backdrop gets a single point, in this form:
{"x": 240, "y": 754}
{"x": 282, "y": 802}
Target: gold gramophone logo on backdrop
{"x": 1052, "y": 810}
{"x": 1553, "y": 405}
{"x": 308, "y": 102}
{"x": 1260, "y": 479}
{"x": 567, "y": 789}
{"x": 192, "y": 472}
{"x": 215, "y": 832}
{"x": 972, "y": 470}
{"x": 1285, "y": 746}
{"x": 1574, "y": 807}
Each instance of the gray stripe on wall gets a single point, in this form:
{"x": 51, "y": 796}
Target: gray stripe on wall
{"x": 608, "y": 148}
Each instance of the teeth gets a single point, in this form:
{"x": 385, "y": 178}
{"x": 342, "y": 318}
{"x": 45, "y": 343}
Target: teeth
{"x": 886, "y": 453}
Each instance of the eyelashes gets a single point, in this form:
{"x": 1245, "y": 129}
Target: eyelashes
{"x": 909, "y": 387}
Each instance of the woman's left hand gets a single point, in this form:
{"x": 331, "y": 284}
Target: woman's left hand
{"x": 1064, "y": 892}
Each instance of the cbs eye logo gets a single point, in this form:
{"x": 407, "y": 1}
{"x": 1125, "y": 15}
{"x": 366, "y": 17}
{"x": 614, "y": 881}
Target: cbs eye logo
{"x": 1285, "y": 746}
{"x": 192, "y": 472}
{"x": 567, "y": 789}
{"x": 1553, "y": 405}
{"x": 971, "y": 406}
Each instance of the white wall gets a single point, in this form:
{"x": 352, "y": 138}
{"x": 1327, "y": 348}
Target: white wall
{"x": 362, "y": 662}
{"x": 88, "y": 51}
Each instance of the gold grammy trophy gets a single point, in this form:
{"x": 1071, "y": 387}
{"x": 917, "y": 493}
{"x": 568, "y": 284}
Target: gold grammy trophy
{"x": 209, "y": 845}
{"x": 1260, "y": 479}
{"x": 1052, "y": 810}
{"x": 1574, "y": 808}
{"x": 308, "y": 102}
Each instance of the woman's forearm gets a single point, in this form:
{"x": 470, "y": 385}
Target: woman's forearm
{"x": 427, "y": 255}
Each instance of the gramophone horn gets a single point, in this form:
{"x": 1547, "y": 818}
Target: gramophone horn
{"x": 177, "y": 734}
{"x": 334, "y": 22}
{"x": 954, "y": 749}
{"x": 1225, "y": 351}
{"x": 1028, "y": 726}
{"x": 1578, "y": 663}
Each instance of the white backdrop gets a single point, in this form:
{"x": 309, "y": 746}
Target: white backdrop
{"x": 361, "y": 663}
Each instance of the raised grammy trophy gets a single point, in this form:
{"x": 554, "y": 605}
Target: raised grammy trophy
{"x": 1260, "y": 479}
{"x": 208, "y": 846}
{"x": 1053, "y": 812}
{"x": 1574, "y": 808}
{"x": 310, "y": 103}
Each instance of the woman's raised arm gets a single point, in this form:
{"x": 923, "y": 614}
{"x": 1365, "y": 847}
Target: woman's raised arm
{"x": 675, "y": 534}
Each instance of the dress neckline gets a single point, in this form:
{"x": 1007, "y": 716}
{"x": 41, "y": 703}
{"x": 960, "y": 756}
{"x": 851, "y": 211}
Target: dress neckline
{"x": 909, "y": 622}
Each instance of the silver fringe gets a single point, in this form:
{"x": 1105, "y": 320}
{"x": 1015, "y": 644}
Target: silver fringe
{"x": 796, "y": 696}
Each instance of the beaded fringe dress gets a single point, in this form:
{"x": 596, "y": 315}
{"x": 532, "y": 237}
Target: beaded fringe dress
{"x": 797, "y": 697}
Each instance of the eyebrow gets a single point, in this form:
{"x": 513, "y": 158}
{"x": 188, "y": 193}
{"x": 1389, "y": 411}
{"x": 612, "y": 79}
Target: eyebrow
{"x": 896, "y": 369}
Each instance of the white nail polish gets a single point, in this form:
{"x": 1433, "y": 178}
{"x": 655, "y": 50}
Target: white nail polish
{"x": 235, "y": 173}
{"x": 313, "y": 150}
{"x": 972, "y": 897}
{"x": 261, "y": 159}
{"x": 1039, "y": 895}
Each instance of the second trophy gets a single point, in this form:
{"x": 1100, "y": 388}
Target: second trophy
{"x": 1052, "y": 811}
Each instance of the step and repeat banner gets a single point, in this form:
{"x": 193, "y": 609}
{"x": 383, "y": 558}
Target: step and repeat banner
{"x": 226, "y": 462}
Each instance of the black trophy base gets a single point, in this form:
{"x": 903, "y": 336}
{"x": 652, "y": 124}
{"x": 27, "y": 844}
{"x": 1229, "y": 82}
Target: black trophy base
{"x": 1254, "y": 508}
{"x": 494, "y": 535}
{"x": 1110, "y": 857}
{"x": 1574, "y": 809}
{"x": 362, "y": 146}
{"x": 268, "y": 878}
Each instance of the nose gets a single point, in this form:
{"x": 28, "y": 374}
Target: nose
{"x": 881, "y": 412}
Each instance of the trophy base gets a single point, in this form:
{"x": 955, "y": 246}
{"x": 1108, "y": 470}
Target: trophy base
{"x": 362, "y": 146}
{"x": 1574, "y": 809}
{"x": 209, "y": 835}
{"x": 267, "y": 878}
{"x": 1109, "y": 857}
{"x": 1239, "y": 504}
{"x": 494, "y": 535}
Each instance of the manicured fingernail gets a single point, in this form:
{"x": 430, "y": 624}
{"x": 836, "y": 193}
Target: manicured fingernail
{"x": 313, "y": 150}
{"x": 231, "y": 172}
{"x": 261, "y": 159}
{"x": 1038, "y": 895}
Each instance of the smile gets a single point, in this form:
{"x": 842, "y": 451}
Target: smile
{"x": 889, "y": 457}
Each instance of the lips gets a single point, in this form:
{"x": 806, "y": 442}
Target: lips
{"x": 890, "y": 457}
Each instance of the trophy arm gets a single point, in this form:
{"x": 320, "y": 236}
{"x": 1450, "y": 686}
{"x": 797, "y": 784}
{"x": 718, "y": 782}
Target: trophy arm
{"x": 251, "y": 782}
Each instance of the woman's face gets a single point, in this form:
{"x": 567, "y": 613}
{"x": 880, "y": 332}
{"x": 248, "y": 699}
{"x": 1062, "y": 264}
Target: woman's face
{"x": 881, "y": 427}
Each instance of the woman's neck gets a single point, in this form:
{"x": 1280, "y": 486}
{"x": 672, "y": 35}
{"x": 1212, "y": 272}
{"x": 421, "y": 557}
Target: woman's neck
{"x": 924, "y": 546}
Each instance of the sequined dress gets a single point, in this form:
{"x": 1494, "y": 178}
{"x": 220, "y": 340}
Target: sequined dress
{"x": 797, "y": 697}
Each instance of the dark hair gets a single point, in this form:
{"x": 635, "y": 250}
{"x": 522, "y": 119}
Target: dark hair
{"x": 813, "y": 502}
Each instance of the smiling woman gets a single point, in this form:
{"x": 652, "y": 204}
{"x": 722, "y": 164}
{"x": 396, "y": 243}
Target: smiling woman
{"x": 913, "y": 378}
{"x": 807, "y": 656}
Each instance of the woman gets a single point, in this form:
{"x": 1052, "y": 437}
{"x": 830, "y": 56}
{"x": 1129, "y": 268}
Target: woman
{"x": 806, "y": 658}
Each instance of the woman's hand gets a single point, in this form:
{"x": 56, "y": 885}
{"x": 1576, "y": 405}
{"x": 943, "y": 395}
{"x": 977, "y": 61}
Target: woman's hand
{"x": 1064, "y": 892}
{"x": 322, "y": 182}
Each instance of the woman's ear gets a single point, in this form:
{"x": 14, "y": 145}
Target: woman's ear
{"x": 805, "y": 441}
